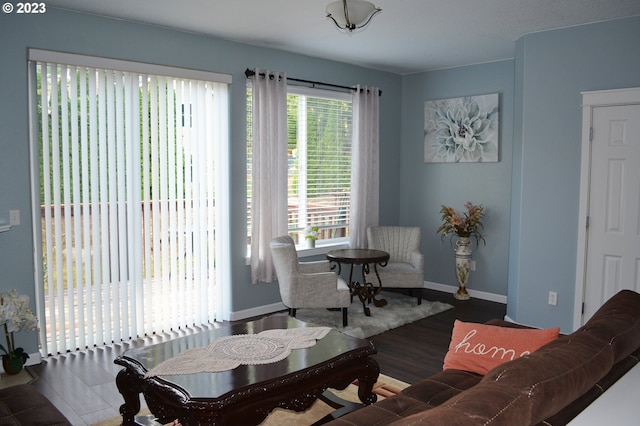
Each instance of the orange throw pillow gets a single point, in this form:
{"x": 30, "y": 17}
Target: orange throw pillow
{"x": 480, "y": 347}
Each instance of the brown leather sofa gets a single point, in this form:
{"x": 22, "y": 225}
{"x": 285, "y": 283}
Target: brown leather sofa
{"x": 548, "y": 387}
{"x": 25, "y": 405}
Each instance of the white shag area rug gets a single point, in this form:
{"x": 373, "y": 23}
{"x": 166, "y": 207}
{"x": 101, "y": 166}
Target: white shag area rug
{"x": 400, "y": 310}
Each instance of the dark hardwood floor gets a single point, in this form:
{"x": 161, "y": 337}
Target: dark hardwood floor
{"x": 415, "y": 351}
{"x": 82, "y": 384}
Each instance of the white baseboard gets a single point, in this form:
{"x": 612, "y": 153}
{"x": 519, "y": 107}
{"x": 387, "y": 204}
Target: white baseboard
{"x": 257, "y": 311}
{"x": 474, "y": 293}
{"x": 276, "y": 307}
{"x": 34, "y": 358}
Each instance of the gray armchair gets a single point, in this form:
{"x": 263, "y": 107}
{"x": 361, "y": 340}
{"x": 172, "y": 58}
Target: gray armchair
{"x": 405, "y": 268}
{"x": 307, "y": 284}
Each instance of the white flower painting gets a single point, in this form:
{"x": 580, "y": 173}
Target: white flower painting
{"x": 461, "y": 130}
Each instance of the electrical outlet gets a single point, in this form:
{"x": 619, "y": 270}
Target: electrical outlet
{"x": 553, "y": 298}
{"x": 473, "y": 265}
{"x": 14, "y": 217}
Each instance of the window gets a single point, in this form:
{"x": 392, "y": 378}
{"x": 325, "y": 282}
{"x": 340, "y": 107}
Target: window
{"x": 319, "y": 158}
{"x": 126, "y": 181}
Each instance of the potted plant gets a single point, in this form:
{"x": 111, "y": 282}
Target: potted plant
{"x": 465, "y": 226}
{"x": 310, "y": 234}
{"x": 15, "y": 315}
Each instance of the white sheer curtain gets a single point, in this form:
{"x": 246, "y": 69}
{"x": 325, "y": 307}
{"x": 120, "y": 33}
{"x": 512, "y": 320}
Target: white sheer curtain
{"x": 269, "y": 170}
{"x": 365, "y": 171}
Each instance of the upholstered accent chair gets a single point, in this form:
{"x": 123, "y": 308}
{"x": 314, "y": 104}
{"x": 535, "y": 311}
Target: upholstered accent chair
{"x": 307, "y": 284}
{"x": 405, "y": 268}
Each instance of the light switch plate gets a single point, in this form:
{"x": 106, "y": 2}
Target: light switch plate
{"x": 14, "y": 217}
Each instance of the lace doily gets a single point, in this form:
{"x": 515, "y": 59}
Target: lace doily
{"x": 227, "y": 353}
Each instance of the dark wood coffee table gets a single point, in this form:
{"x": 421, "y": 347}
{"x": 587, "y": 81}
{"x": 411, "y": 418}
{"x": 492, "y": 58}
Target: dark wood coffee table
{"x": 366, "y": 290}
{"x": 248, "y": 393}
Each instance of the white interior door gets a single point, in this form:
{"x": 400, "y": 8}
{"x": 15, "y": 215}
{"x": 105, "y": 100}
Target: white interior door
{"x": 612, "y": 260}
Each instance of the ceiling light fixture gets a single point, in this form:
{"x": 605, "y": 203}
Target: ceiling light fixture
{"x": 351, "y": 14}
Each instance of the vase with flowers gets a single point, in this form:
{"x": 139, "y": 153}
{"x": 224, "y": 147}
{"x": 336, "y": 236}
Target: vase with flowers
{"x": 15, "y": 316}
{"x": 310, "y": 234}
{"x": 465, "y": 226}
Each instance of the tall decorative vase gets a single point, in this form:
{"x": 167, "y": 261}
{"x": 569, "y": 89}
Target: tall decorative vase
{"x": 463, "y": 267}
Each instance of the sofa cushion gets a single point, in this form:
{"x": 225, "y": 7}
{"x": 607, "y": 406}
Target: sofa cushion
{"x": 556, "y": 374}
{"x": 570, "y": 411}
{"x": 442, "y": 386}
{"x": 417, "y": 398}
{"x": 481, "y": 347}
{"x": 384, "y": 412}
{"x": 484, "y": 404}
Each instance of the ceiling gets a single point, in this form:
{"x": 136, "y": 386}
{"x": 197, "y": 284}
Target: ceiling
{"x": 408, "y": 36}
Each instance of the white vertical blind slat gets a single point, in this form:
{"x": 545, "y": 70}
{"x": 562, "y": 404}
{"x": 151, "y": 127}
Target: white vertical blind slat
{"x": 212, "y": 165}
{"x": 164, "y": 203}
{"x": 85, "y": 322}
{"x": 75, "y": 249}
{"x": 171, "y": 197}
{"x": 190, "y": 152}
{"x": 146, "y": 314}
{"x": 67, "y": 207}
{"x": 120, "y": 258}
{"x": 181, "y": 230}
{"x": 136, "y": 285}
{"x": 92, "y": 248}
{"x": 155, "y": 171}
{"x": 201, "y": 228}
{"x": 46, "y": 174}
{"x": 58, "y": 259}
{"x": 103, "y": 313}
{"x": 134, "y": 223}
{"x": 112, "y": 318}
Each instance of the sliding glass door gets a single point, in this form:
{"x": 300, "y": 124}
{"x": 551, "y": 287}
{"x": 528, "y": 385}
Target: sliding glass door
{"x": 127, "y": 194}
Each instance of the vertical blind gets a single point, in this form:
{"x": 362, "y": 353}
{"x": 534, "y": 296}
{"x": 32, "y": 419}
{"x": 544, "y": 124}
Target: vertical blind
{"x": 127, "y": 192}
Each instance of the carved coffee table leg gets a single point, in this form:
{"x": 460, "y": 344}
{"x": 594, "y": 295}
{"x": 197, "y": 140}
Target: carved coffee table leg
{"x": 366, "y": 380}
{"x": 130, "y": 391}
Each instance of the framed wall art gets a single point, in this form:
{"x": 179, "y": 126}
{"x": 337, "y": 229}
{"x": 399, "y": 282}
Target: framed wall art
{"x": 461, "y": 130}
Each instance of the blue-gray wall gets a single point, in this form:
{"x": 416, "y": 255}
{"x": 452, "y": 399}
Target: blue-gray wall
{"x": 531, "y": 194}
{"x": 553, "y": 68}
{"x": 424, "y": 187}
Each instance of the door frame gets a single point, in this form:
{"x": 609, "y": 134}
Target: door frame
{"x": 591, "y": 100}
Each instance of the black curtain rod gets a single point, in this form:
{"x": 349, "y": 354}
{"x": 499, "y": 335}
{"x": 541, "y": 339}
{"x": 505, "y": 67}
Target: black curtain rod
{"x": 250, "y": 73}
